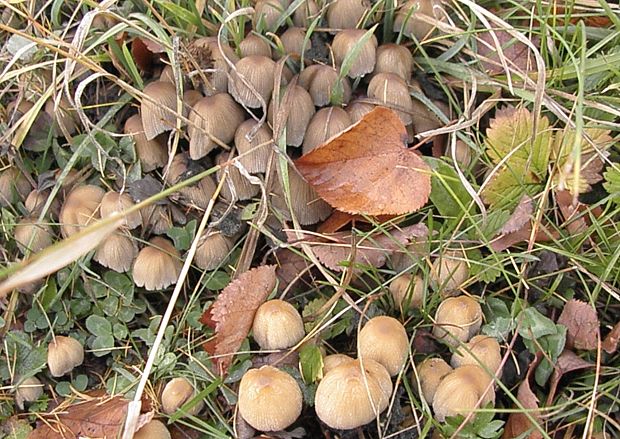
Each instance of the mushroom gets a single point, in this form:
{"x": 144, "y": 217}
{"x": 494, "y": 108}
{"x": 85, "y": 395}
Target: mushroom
{"x": 408, "y": 18}
{"x": 269, "y": 399}
{"x": 293, "y": 42}
{"x": 35, "y": 201}
{"x": 350, "y": 39}
{"x": 117, "y": 252}
{"x": 392, "y": 90}
{"x": 176, "y": 393}
{"x": 305, "y": 13}
{"x": 320, "y": 81}
{"x": 212, "y": 251}
{"x": 152, "y": 154}
{"x": 157, "y": 218}
{"x": 32, "y": 236}
{"x": 258, "y": 72}
{"x": 154, "y": 429}
{"x": 80, "y": 208}
{"x": 449, "y": 272}
{"x": 277, "y": 325}
{"x": 430, "y": 372}
{"x": 462, "y": 153}
{"x": 198, "y": 194}
{"x": 29, "y": 390}
{"x": 167, "y": 74}
{"x": 210, "y": 54}
{"x": 459, "y": 392}
{"x": 241, "y": 189}
{"x": 62, "y": 114}
{"x": 481, "y": 350}
{"x": 63, "y": 355}
{"x": 407, "y": 291}
{"x": 357, "y": 110}
{"x": 396, "y": 59}
{"x": 384, "y": 340}
{"x": 13, "y": 186}
{"x": 253, "y": 145}
{"x": 457, "y": 320}
{"x": 214, "y": 120}
{"x": 158, "y": 265}
{"x": 114, "y": 202}
{"x": 333, "y": 361}
{"x": 266, "y": 14}
{"x": 254, "y": 44}
{"x": 300, "y": 112}
{"x": 353, "y": 394}
{"x": 190, "y": 98}
{"x": 346, "y": 14}
{"x": 325, "y": 124}
{"x": 158, "y": 108}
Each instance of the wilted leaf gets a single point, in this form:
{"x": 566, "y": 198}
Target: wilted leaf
{"x": 520, "y": 217}
{"x": 234, "y": 309}
{"x": 367, "y": 169}
{"x": 610, "y": 344}
{"x": 338, "y": 220}
{"x": 567, "y": 362}
{"x": 515, "y": 52}
{"x": 519, "y": 423}
{"x": 581, "y": 323}
{"x": 543, "y": 234}
{"x": 291, "y": 267}
{"x": 571, "y": 210}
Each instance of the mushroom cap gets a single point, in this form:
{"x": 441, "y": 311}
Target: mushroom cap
{"x": 430, "y": 372}
{"x": 80, "y": 208}
{"x": 396, "y": 59}
{"x": 407, "y": 290}
{"x": 206, "y": 52}
{"x": 260, "y": 146}
{"x": 167, "y": 74}
{"x": 346, "y": 14}
{"x": 243, "y": 189}
{"x": 357, "y": 110}
{"x": 213, "y": 249}
{"x": 462, "y": 153}
{"x": 13, "y": 186}
{"x": 333, "y": 361}
{"x": 117, "y": 252}
{"x": 325, "y": 124}
{"x": 154, "y": 429}
{"x": 32, "y": 235}
{"x": 457, "y": 320}
{"x": 392, "y": 90}
{"x": 449, "y": 272}
{"x": 480, "y": 349}
{"x": 320, "y": 81}
{"x": 177, "y": 392}
{"x": 198, "y": 194}
{"x": 28, "y": 390}
{"x": 266, "y": 12}
{"x": 113, "y": 202}
{"x": 384, "y": 339}
{"x": 157, "y": 218}
{"x": 277, "y": 325}
{"x": 345, "y": 41}
{"x": 35, "y": 201}
{"x": 459, "y": 392}
{"x": 259, "y": 72}
{"x": 350, "y": 395}
{"x": 293, "y": 41}
{"x": 411, "y": 23}
{"x": 63, "y": 354}
{"x": 254, "y": 44}
{"x": 62, "y": 115}
{"x": 269, "y": 399}
{"x": 213, "y": 117}
{"x": 300, "y": 113}
{"x": 305, "y": 13}
{"x": 158, "y": 115}
{"x": 158, "y": 265}
{"x": 153, "y": 154}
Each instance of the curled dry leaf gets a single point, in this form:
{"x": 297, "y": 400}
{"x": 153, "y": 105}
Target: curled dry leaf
{"x": 516, "y": 54}
{"x": 234, "y": 309}
{"x": 520, "y": 217}
{"x": 610, "y": 344}
{"x": 582, "y": 325}
{"x": 543, "y": 234}
{"x": 518, "y": 422}
{"x": 367, "y": 169}
{"x": 567, "y": 362}
{"x": 571, "y": 210}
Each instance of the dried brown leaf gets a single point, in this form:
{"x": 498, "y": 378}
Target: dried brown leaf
{"x": 543, "y": 234}
{"x": 367, "y": 169}
{"x": 519, "y": 423}
{"x": 520, "y": 217}
{"x": 233, "y": 310}
{"x": 581, "y": 323}
{"x": 571, "y": 211}
{"x": 291, "y": 267}
{"x": 516, "y": 54}
{"x": 610, "y": 344}
{"x": 567, "y": 362}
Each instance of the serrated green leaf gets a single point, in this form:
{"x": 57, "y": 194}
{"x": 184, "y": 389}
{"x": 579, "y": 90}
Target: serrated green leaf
{"x": 311, "y": 363}
{"x": 447, "y": 191}
{"x": 612, "y": 183}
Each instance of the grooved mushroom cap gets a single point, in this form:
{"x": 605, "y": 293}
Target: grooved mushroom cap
{"x": 153, "y": 154}
{"x": 177, "y": 392}
{"x": 357, "y": 110}
{"x": 113, "y": 202}
{"x": 253, "y": 44}
{"x": 449, "y": 272}
{"x": 63, "y": 354}
{"x": 207, "y": 54}
{"x": 411, "y": 23}
{"x": 258, "y": 72}
{"x": 267, "y": 13}
{"x": 457, "y": 319}
{"x": 407, "y": 291}
{"x": 28, "y": 390}
{"x": 384, "y": 339}
{"x": 325, "y": 124}
{"x": 31, "y": 235}
{"x": 213, "y": 117}
{"x": 35, "y": 201}
{"x": 350, "y": 395}
{"x": 154, "y": 429}
{"x": 346, "y": 14}
{"x": 293, "y": 41}
{"x": 157, "y": 265}
{"x": 197, "y": 194}
{"x": 80, "y": 208}
{"x": 158, "y": 113}
{"x": 345, "y": 41}
{"x": 13, "y": 186}
{"x": 392, "y": 90}
{"x": 212, "y": 251}
{"x": 320, "y": 80}
{"x": 396, "y": 59}
{"x": 117, "y": 252}
{"x": 480, "y": 349}
{"x": 333, "y": 361}
{"x": 430, "y": 372}
{"x": 305, "y": 13}
{"x": 260, "y": 145}
{"x": 269, "y": 399}
{"x": 300, "y": 113}
{"x": 243, "y": 189}
{"x": 157, "y": 218}
{"x": 462, "y": 153}
{"x": 277, "y": 325}
{"x": 460, "y": 390}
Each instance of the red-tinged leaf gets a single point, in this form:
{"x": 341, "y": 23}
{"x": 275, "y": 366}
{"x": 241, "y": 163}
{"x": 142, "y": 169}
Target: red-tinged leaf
{"x": 95, "y": 418}
{"x": 142, "y": 55}
{"x": 338, "y": 220}
{"x": 234, "y": 309}
{"x": 518, "y": 423}
{"x": 367, "y": 169}
{"x": 610, "y": 343}
{"x": 291, "y": 268}
{"x": 567, "y": 362}
{"x": 207, "y": 318}
{"x": 523, "y": 235}
{"x": 582, "y": 325}
{"x": 571, "y": 209}
{"x": 520, "y": 217}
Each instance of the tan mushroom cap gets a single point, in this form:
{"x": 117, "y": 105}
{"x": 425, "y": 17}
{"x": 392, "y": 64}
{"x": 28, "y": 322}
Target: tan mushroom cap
{"x": 350, "y": 395}
{"x": 481, "y": 350}
{"x": 212, "y": 251}
{"x": 253, "y": 44}
{"x": 81, "y": 208}
{"x": 158, "y": 112}
{"x": 462, "y": 153}
{"x": 407, "y": 290}
{"x": 241, "y": 189}
{"x": 113, "y": 202}
{"x": 293, "y": 41}
{"x": 13, "y": 186}
{"x": 357, "y": 110}
{"x": 258, "y": 72}
{"x": 300, "y": 112}
{"x": 267, "y": 12}
{"x": 62, "y": 114}
{"x": 333, "y": 361}
{"x": 260, "y": 145}
{"x": 457, "y": 320}
{"x": 32, "y": 235}
{"x": 449, "y": 272}
{"x": 325, "y": 124}
{"x": 320, "y": 81}
{"x": 198, "y": 194}
{"x": 210, "y": 55}
{"x": 396, "y": 59}
{"x": 28, "y": 390}
{"x": 277, "y": 325}
{"x": 430, "y": 372}
{"x": 392, "y": 90}
{"x": 176, "y": 393}
{"x": 305, "y": 13}
{"x": 384, "y": 339}
{"x": 408, "y": 17}
{"x": 345, "y": 41}
{"x": 269, "y": 399}
{"x": 153, "y": 154}
{"x": 154, "y": 429}
{"x": 346, "y": 14}
{"x": 157, "y": 218}
{"x": 459, "y": 391}
{"x": 158, "y": 265}
{"x": 64, "y": 354}
{"x": 213, "y": 119}
{"x": 117, "y": 252}
{"x": 35, "y": 201}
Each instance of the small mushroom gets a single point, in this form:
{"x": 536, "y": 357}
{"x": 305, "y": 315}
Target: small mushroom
{"x": 396, "y": 59}
{"x": 176, "y": 393}
{"x": 13, "y": 186}
{"x": 29, "y": 390}
{"x": 167, "y": 74}
{"x": 241, "y": 189}
{"x": 212, "y": 251}
{"x": 407, "y": 291}
{"x": 254, "y": 44}
{"x": 481, "y": 350}
{"x": 154, "y": 429}
{"x": 430, "y": 372}
{"x": 207, "y": 53}
{"x": 32, "y": 236}
{"x": 117, "y": 252}
{"x": 214, "y": 120}
{"x": 357, "y": 110}
{"x": 346, "y": 14}
{"x": 325, "y": 124}
{"x": 35, "y": 201}
{"x": 353, "y": 394}
{"x": 333, "y": 361}
{"x": 449, "y": 272}
{"x": 269, "y": 399}
{"x": 254, "y": 152}
{"x": 300, "y": 112}
{"x": 113, "y": 202}
{"x": 320, "y": 81}
{"x": 153, "y": 153}
{"x": 158, "y": 218}
{"x": 266, "y": 14}
{"x": 277, "y": 325}
{"x": 158, "y": 265}
{"x": 63, "y": 116}
{"x": 305, "y": 13}
{"x": 348, "y": 40}
{"x": 293, "y": 41}
{"x": 392, "y": 90}
{"x": 462, "y": 153}
{"x": 198, "y": 194}
{"x": 258, "y": 72}
{"x": 408, "y": 18}
{"x": 457, "y": 320}
{"x": 158, "y": 108}
{"x": 63, "y": 355}
{"x": 80, "y": 208}
{"x": 384, "y": 339}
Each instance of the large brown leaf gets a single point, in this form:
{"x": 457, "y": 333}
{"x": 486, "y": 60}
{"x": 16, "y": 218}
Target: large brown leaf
{"x": 367, "y": 169}
{"x": 567, "y": 362}
{"x": 518, "y": 422}
{"x": 234, "y": 309}
{"x": 582, "y": 325}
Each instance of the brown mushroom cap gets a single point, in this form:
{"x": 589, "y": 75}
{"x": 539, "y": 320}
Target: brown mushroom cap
{"x": 457, "y": 319}
{"x": 13, "y": 186}
{"x": 392, "y": 90}
{"x": 258, "y": 72}
{"x": 357, "y": 110}
{"x": 320, "y": 81}
{"x": 277, "y": 325}
{"x": 158, "y": 112}
{"x": 154, "y": 429}
{"x": 28, "y": 390}
{"x": 345, "y": 41}
{"x": 117, "y": 252}
{"x": 213, "y": 117}
{"x": 243, "y": 189}
{"x": 449, "y": 272}
{"x": 113, "y": 202}
{"x": 176, "y": 393}
{"x": 269, "y": 399}
{"x": 407, "y": 290}
{"x": 63, "y": 116}
{"x": 481, "y": 350}
{"x": 350, "y": 395}
{"x": 325, "y": 124}
{"x": 430, "y": 372}
{"x": 64, "y": 354}
{"x": 198, "y": 194}
{"x": 260, "y": 145}
{"x": 301, "y": 110}
{"x": 212, "y": 251}
{"x": 462, "y": 153}
{"x": 346, "y": 14}
{"x": 408, "y": 19}
{"x": 81, "y": 207}
{"x": 293, "y": 41}
{"x": 157, "y": 218}
{"x": 266, "y": 14}
{"x": 35, "y": 201}
{"x": 396, "y": 59}
{"x": 152, "y": 153}
{"x": 384, "y": 339}
{"x": 158, "y": 265}
{"x": 333, "y": 361}
{"x": 254, "y": 44}
{"x": 206, "y": 53}
{"x": 32, "y": 235}
{"x": 305, "y": 13}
